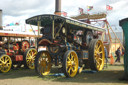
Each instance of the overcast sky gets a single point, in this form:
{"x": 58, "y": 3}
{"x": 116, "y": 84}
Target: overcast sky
{"x": 19, "y": 10}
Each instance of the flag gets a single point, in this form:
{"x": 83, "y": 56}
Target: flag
{"x": 80, "y": 10}
{"x": 89, "y": 8}
{"x": 7, "y": 24}
{"x": 12, "y": 24}
{"x": 16, "y": 23}
{"x": 109, "y": 8}
{"x": 64, "y": 14}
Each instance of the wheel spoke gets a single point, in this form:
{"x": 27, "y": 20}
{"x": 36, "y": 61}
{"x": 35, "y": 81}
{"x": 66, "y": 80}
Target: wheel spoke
{"x": 101, "y": 52}
{"x": 69, "y": 58}
{"x": 97, "y": 62}
{"x": 69, "y": 70}
{"x": 6, "y": 60}
{"x": 73, "y": 69}
{"x": 100, "y": 58}
{"x": 28, "y": 55}
{"x": 34, "y": 54}
{"x": 1, "y": 61}
{"x": 7, "y": 63}
{"x": 28, "y": 58}
{"x": 68, "y": 63}
{"x": 99, "y": 47}
{"x": 96, "y": 46}
{"x": 72, "y": 56}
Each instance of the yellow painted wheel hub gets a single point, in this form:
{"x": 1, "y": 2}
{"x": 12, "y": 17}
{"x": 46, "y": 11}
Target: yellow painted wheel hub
{"x": 99, "y": 55}
{"x": 44, "y": 63}
{"x": 5, "y": 63}
{"x": 30, "y": 58}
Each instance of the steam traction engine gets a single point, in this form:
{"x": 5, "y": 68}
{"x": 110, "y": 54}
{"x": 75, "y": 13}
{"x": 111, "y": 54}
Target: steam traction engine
{"x": 70, "y": 43}
{"x": 15, "y": 51}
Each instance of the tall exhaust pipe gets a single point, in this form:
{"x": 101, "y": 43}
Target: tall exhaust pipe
{"x": 58, "y": 7}
{"x": 1, "y": 19}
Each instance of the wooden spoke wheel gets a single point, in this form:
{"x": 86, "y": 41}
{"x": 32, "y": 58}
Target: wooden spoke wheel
{"x": 5, "y": 63}
{"x": 25, "y": 45}
{"x": 29, "y": 58}
{"x": 96, "y": 55}
{"x": 70, "y": 63}
{"x": 43, "y": 63}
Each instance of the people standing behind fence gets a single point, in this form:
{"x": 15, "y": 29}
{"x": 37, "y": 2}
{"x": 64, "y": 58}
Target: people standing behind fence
{"x": 118, "y": 54}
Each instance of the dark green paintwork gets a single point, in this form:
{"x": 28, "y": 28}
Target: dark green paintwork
{"x": 124, "y": 25}
{"x": 47, "y": 19}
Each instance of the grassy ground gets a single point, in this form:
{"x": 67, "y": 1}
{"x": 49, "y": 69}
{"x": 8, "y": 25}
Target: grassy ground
{"x": 109, "y": 76}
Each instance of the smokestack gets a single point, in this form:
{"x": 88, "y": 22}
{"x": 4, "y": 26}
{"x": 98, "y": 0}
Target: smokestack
{"x": 58, "y": 7}
{"x": 1, "y": 19}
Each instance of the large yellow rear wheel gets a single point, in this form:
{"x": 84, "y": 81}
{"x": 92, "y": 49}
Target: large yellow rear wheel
{"x": 96, "y": 55}
{"x": 70, "y": 63}
{"x": 43, "y": 63}
{"x": 5, "y": 63}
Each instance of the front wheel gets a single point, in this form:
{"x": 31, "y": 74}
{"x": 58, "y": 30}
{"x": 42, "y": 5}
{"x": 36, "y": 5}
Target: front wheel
{"x": 29, "y": 58}
{"x": 70, "y": 63}
{"x": 43, "y": 63}
{"x": 5, "y": 63}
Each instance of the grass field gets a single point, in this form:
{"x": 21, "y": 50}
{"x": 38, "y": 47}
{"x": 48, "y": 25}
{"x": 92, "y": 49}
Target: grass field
{"x": 109, "y": 76}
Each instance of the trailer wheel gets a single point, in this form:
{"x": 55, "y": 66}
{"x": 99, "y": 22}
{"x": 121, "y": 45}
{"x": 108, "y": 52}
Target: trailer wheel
{"x": 25, "y": 45}
{"x": 29, "y": 58}
{"x": 5, "y": 63}
{"x": 43, "y": 63}
{"x": 96, "y": 55}
{"x": 70, "y": 63}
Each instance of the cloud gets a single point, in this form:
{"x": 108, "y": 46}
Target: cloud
{"x": 17, "y": 10}
{"x": 24, "y": 7}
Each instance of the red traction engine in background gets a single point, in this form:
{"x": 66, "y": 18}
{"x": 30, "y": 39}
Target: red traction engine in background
{"x": 16, "y": 51}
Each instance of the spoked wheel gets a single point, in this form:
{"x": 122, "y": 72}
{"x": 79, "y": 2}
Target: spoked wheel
{"x": 29, "y": 58}
{"x": 96, "y": 55}
{"x": 25, "y": 45}
{"x": 70, "y": 63}
{"x": 5, "y": 63}
{"x": 43, "y": 63}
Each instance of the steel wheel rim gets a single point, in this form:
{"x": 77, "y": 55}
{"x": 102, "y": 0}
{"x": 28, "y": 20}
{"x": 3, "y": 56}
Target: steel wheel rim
{"x": 44, "y": 63}
{"x": 72, "y": 64}
{"x": 99, "y": 55}
{"x": 5, "y": 63}
{"x": 30, "y": 58}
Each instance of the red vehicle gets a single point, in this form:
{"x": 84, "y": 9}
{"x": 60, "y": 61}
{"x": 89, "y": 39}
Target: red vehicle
{"x": 15, "y": 50}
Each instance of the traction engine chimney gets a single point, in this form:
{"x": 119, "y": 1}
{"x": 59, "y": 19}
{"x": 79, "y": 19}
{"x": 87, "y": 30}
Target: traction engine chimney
{"x": 1, "y": 19}
{"x": 58, "y": 7}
